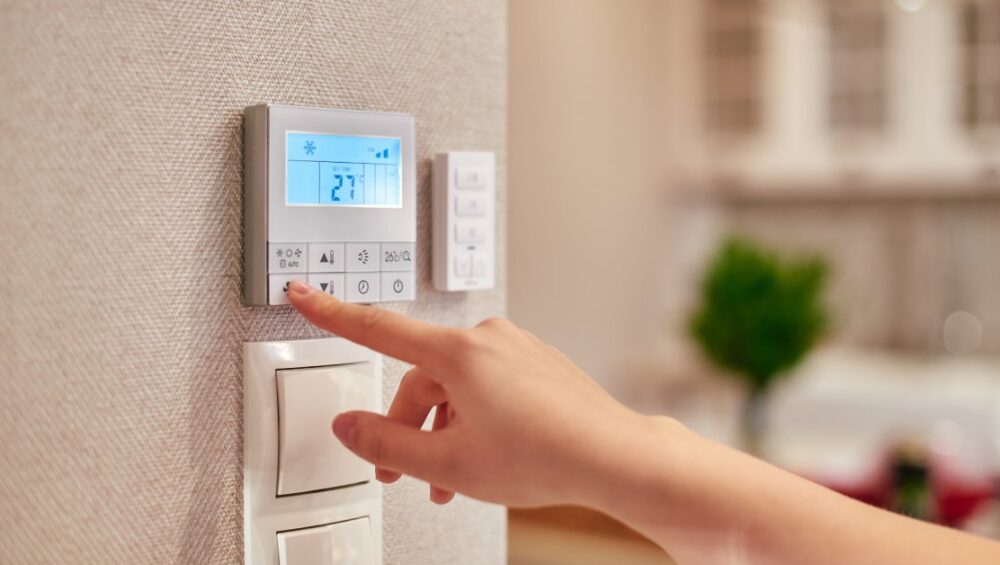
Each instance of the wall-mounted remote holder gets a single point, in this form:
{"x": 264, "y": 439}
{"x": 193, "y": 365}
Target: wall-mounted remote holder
{"x": 329, "y": 199}
{"x": 464, "y": 220}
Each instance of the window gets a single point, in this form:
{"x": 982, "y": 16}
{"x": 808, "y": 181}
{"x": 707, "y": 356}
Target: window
{"x": 734, "y": 60}
{"x": 981, "y": 34}
{"x": 858, "y": 64}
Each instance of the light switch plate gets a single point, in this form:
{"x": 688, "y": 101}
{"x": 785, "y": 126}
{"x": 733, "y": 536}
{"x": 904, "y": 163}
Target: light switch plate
{"x": 265, "y": 513}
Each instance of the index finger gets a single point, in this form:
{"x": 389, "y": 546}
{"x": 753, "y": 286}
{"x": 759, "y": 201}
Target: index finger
{"x": 384, "y": 331}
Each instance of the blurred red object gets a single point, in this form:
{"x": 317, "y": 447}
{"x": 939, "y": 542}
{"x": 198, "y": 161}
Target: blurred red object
{"x": 957, "y": 494}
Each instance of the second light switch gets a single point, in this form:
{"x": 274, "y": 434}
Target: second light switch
{"x": 310, "y": 458}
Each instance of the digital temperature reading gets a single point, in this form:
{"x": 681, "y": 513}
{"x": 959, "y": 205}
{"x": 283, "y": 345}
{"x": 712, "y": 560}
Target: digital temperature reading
{"x": 343, "y": 170}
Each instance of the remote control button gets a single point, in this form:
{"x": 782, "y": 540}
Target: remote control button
{"x": 286, "y": 257}
{"x": 463, "y": 265}
{"x": 362, "y": 287}
{"x": 478, "y": 264}
{"x": 330, "y": 283}
{"x": 326, "y": 258}
{"x": 470, "y": 232}
{"x": 398, "y": 286}
{"x": 397, "y": 257}
{"x": 471, "y": 178}
{"x": 362, "y": 257}
{"x": 471, "y": 205}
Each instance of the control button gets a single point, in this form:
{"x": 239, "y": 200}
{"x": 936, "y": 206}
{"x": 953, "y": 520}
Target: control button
{"x": 311, "y": 545}
{"x": 286, "y": 257}
{"x": 397, "y": 257}
{"x": 343, "y": 543}
{"x": 330, "y": 283}
{"x": 471, "y": 178}
{"x": 277, "y": 287}
{"x": 361, "y": 287}
{"x": 353, "y": 543}
{"x": 362, "y": 257}
{"x": 471, "y": 205}
{"x": 478, "y": 264}
{"x": 470, "y": 232}
{"x": 326, "y": 258}
{"x": 308, "y": 458}
{"x": 398, "y": 286}
{"x": 463, "y": 265}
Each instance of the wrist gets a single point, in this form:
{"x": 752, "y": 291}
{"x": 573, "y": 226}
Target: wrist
{"x": 633, "y": 465}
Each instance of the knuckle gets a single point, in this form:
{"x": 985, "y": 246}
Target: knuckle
{"x": 465, "y": 342}
{"x": 496, "y": 323}
{"x": 464, "y": 347}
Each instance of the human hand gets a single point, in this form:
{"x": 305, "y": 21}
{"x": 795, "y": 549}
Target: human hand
{"x": 516, "y": 423}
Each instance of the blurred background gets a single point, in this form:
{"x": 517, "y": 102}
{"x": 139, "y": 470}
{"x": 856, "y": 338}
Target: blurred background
{"x": 776, "y": 221}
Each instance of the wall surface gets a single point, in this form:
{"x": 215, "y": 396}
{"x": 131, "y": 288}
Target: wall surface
{"x": 122, "y": 324}
{"x": 587, "y": 161}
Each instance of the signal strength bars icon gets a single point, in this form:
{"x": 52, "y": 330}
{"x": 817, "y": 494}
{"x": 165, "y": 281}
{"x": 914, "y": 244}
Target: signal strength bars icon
{"x": 383, "y": 154}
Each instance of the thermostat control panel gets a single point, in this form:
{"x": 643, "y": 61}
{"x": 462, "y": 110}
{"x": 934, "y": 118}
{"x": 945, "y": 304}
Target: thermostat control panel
{"x": 329, "y": 199}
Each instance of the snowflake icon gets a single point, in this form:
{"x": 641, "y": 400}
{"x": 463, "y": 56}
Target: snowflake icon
{"x": 310, "y": 147}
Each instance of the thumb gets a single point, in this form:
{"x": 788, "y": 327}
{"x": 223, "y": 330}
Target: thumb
{"x": 394, "y": 446}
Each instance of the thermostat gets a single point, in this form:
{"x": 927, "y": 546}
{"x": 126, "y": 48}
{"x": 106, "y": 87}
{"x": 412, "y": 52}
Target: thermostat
{"x": 328, "y": 199}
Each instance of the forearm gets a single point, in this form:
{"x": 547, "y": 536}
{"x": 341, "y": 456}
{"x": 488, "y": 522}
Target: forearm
{"x": 706, "y": 503}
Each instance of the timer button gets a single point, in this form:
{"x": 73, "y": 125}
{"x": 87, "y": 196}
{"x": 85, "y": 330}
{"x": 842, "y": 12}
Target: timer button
{"x": 362, "y": 257}
{"x": 362, "y": 287}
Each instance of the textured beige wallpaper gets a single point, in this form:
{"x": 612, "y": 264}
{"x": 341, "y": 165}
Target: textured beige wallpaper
{"x": 121, "y": 324}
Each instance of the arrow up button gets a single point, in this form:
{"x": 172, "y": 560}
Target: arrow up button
{"x": 326, "y": 258}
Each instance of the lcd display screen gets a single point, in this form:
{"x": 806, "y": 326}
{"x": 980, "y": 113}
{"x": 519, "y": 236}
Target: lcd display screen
{"x": 342, "y": 170}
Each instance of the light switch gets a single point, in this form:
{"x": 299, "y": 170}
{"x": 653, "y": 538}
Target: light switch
{"x": 310, "y": 546}
{"x": 346, "y": 543}
{"x": 310, "y": 458}
{"x": 293, "y": 511}
{"x": 353, "y": 543}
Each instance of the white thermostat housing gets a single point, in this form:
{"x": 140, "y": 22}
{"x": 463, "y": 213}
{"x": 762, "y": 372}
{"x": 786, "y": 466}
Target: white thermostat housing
{"x": 329, "y": 199}
{"x": 464, "y": 220}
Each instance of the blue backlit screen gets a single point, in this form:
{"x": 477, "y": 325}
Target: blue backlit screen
{"x": 343, "y": 170}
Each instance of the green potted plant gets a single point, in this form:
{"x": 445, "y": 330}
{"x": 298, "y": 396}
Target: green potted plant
{"x": 759, "y": 315}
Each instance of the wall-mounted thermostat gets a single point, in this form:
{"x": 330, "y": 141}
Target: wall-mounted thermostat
{"x": 329, "y": 199}
{"x": 464, "y": 220}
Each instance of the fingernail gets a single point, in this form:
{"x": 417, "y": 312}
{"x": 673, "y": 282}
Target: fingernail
{"x": 384, "y": 476}
{"x": 299, "y": 287}
{"x": 345, "y": 427}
